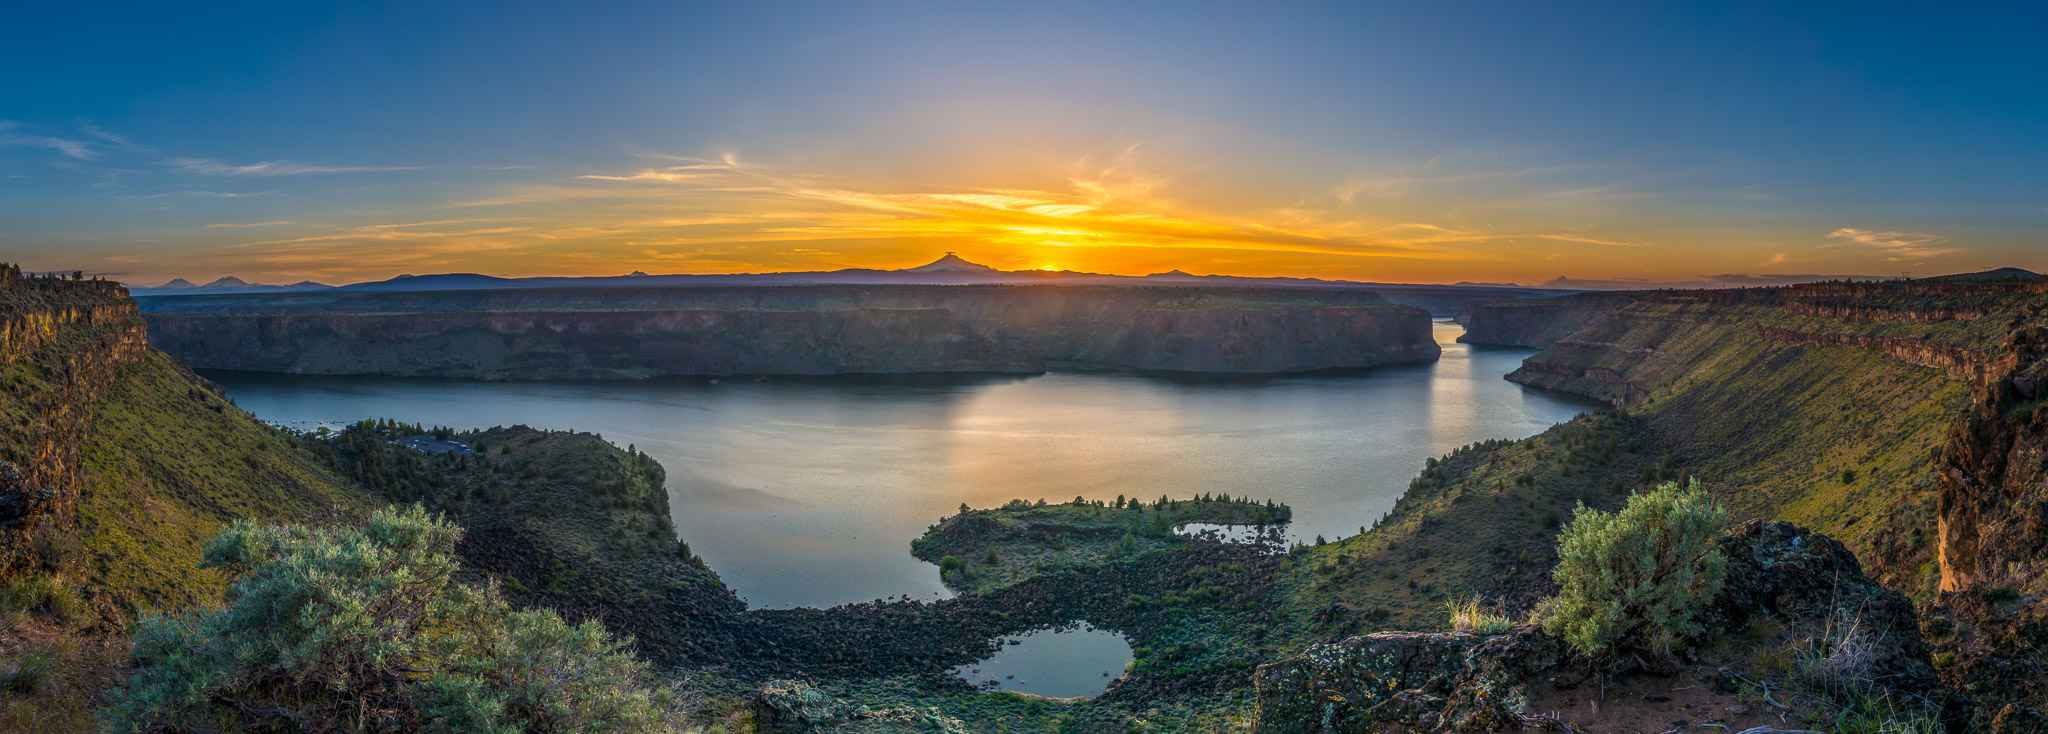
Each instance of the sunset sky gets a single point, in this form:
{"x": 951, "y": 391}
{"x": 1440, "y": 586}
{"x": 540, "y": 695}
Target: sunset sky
{"x": 1420, "y": 142}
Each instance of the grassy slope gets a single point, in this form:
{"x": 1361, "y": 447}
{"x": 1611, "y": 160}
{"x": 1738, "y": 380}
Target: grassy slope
{"x": 167, "y": 464}
{"x": 164, "y": 464}
{"x": 1482, "y": 521}
{"x": 1770, "y": 427}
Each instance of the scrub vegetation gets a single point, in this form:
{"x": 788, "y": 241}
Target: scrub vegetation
{"x": 367, "y": 630}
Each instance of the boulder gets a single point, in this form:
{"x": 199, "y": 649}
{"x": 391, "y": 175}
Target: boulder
{"x": 1801, "y": 576}
{"x": 1448, "y": 680}
{"x": 794, "y": 707}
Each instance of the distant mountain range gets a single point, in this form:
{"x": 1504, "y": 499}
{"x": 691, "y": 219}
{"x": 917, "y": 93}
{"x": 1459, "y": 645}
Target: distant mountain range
{"x": 954, "y": 270}
{"x": 230, "y": 284}
{"x": 948, "y": 270}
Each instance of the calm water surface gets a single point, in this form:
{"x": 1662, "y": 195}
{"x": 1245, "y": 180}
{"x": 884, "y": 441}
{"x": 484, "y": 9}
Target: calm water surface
{"x": 808, "y": 492}
{"x": 1070, "y": 663}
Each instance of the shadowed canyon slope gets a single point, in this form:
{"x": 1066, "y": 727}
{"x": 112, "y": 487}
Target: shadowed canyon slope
{"x": 627, "y": 333}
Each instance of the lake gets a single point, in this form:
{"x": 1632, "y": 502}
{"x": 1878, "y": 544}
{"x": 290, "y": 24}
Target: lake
{"x": 807, "y": 492}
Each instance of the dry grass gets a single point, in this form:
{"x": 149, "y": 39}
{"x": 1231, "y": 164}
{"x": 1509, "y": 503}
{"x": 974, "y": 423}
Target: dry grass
{"x": 46, "y": 595}
{"x": 1472, "y": 617}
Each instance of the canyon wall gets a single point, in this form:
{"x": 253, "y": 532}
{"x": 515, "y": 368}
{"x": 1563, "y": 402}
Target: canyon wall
{"x": 62, "y": 343}
{"x": 587, "y": 344}
{"x": 1911, "y": 430}
{"x": 627, "y": 333}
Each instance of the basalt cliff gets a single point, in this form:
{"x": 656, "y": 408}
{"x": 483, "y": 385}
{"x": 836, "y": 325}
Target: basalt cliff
{"x": 628, "y": 333}
{"x": 63, "y": 342}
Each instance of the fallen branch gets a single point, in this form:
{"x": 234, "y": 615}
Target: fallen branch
{"x": 1548, "y": 722}
{"x": 1767, "y": 696}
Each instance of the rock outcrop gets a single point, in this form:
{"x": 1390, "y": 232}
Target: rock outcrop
{"x": 1427, "y": 681}
{"x": 65, "y": 341}
{"x": 795, "y": 707}
{"x": 1784, "y": 571}
{"x": 646, "y": 332}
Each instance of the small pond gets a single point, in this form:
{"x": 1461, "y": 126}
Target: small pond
{"x": 1060, "y": 663}
{"x": 1274, "y": 535}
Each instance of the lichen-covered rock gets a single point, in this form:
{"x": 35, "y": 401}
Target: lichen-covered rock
{"x": 1492, "y": 695}
{"x": 794, "y": 707}
{"x": 1429, "y": 681}
{"x": 913, "y": 718}
{"x": 2016, "y": 720}
{"x": 1336, "y": 687}
{"x": 1797, "y": 575}
{"x": 1413, "y": 708}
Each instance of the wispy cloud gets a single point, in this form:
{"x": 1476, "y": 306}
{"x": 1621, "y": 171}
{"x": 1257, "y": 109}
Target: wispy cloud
{"x": 274, "y": 168}
{"x": 198, "y": 194}
{"x": 1897, "y": 245}
{"x": 225, "y": 225}
{"x": 78, "y": 149}
{"x": 1592, "y": 240}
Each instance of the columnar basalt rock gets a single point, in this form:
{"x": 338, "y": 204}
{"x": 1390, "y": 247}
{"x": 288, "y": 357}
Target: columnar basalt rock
{"x": 1993, "y": 491}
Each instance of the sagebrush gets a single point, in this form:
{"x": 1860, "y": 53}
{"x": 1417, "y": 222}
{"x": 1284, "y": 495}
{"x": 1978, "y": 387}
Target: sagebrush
{"x": 367, "y": 630}
{"x": 1631, "y": 583}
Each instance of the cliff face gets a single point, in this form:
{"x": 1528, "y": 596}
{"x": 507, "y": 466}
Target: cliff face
{"x": 1994, "y": 473}
{"x": 62, "y": 343}
{"x": 118, "y": 462}
{"x": 587, "y": 345}
{"x": 646, "y": 332}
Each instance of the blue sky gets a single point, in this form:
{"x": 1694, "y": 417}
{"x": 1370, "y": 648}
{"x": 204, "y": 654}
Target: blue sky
{"x": 1422, "y": 142}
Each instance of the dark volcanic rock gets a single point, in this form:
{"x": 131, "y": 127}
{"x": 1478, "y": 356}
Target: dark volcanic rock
{"x": 1450, "y": 681}
{"x": 1784, "y": 570}
{"x": 1342, "y": 686}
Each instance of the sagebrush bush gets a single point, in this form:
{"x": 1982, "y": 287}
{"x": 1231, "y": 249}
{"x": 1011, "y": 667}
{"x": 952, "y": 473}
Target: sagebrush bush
{"x": 366, "y": 630}
{"x": 1634, "y": 580}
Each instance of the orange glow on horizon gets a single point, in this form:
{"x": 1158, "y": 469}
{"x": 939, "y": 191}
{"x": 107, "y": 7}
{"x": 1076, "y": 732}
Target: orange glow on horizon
{"x": 727, "y": 215}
